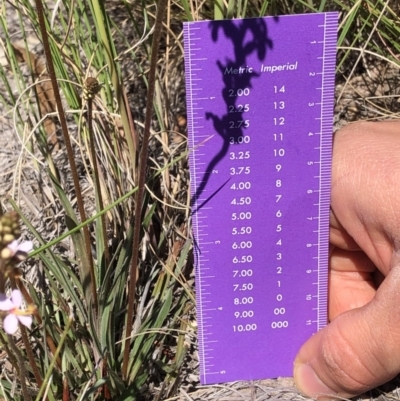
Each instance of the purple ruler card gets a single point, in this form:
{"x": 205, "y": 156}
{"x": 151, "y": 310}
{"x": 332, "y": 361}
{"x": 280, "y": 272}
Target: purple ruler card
{"x": 260, "y": 96}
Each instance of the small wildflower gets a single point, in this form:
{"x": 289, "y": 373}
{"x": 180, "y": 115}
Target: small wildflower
{"x": 15, "y": 314}
{"x": 16, "y": 250}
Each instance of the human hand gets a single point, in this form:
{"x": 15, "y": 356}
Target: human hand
{"x": 360, "y": 348}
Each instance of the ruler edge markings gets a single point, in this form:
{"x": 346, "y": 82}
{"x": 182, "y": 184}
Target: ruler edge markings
{"x": 187, "y": 30}
{"x": 327, "y": 100}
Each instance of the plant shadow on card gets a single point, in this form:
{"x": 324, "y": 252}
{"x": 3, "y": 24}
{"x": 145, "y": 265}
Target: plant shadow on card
{"x": 248, "y": 36}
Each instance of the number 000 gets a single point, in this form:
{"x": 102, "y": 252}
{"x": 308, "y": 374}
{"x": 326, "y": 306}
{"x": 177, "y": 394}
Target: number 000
{"x": 280, "y": 324}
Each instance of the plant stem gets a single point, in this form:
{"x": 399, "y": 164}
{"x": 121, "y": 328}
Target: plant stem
{"x": 96, "y": 179}
{"x": 21, "y": 366}
{"x": 71, "y": 159}
{"x": 27, "y": 344}
{"x": 134, "y": 270}
{"x": 54, "y": 360}
{"x": 106, "y": 41}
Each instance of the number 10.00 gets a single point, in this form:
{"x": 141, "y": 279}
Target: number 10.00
{"x": 245, "y": 327}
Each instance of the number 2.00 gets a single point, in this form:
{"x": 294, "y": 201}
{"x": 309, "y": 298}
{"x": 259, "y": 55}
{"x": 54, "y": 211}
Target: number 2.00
{"x": 239, "y": 92}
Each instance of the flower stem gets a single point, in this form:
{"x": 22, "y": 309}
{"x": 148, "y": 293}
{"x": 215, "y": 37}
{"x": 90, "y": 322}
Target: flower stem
{"x": 68, "y": 146}
{"x": 96, "y": 178}
{"x": 134, "y": 270}
{"x": 21, "y": 367}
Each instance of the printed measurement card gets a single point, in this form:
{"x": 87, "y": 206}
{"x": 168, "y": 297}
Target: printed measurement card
{"x": 260, "y": 96}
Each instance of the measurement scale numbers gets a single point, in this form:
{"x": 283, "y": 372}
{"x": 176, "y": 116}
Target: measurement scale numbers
{"x": 260, "y": 103}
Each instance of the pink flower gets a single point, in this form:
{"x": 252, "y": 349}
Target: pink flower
{"x": 20, "y": 251}
{"x": 15, "y": 314}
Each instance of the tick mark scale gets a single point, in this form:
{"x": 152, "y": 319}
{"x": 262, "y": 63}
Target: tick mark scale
{"x": 260, "y": 96}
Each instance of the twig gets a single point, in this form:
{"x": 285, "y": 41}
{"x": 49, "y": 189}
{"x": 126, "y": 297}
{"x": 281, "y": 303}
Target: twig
{"x": 141, "y": 187}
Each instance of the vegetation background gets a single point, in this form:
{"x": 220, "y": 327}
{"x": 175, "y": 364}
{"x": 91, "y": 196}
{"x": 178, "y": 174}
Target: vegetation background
{"x": 93, "y": 157}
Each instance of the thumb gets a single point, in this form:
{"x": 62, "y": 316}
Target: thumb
{"x": 358, "y": 351}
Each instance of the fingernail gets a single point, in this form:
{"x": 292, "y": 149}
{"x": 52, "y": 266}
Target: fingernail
{"x": 310, "y": 384}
